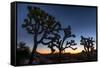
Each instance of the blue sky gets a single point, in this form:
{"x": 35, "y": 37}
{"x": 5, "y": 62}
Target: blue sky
{"x": 81, "y": 19}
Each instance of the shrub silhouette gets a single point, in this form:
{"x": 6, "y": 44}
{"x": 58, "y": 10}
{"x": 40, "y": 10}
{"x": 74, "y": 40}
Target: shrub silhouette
{"x": 22, "y": 53}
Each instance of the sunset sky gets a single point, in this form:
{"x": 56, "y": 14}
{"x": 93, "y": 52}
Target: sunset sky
{"x": 81, "y": 19}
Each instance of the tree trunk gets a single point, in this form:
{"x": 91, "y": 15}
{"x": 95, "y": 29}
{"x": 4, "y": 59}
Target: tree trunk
{"x": 34, "y": 48}
{"x": 35, "y": 42}
{"x": 33, "y": 54}
{"x": 59, "y": 56}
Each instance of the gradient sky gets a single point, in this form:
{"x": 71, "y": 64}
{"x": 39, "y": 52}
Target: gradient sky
{"x": 81, "y": 19}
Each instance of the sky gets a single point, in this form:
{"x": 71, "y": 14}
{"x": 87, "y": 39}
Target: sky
{"x": 81, "y": 19}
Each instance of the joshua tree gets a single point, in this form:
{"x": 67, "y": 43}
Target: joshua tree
{"x": 59, "y": 43}
{"x": 88, "y": 44}
{"x": 41, "y": 26}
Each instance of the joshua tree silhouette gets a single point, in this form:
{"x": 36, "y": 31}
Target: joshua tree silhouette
{"x": 59, "y": 43}
{"x": 88, "y": 44}
{"x": 38, "y": 23}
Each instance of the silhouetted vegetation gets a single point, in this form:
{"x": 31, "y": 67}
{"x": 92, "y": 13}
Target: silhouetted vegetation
{"x": 59, "y": 43}
{"x": 88, "y": 44}
{"x": 45, "y": 30}
{"x": 22, "y": 53}
{"x": 38, "y": 23}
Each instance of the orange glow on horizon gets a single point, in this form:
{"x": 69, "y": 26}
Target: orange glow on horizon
{"x": 73, "y": 51}
{"x": 43, "y": 51}
{"x": 47, "y": 51}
